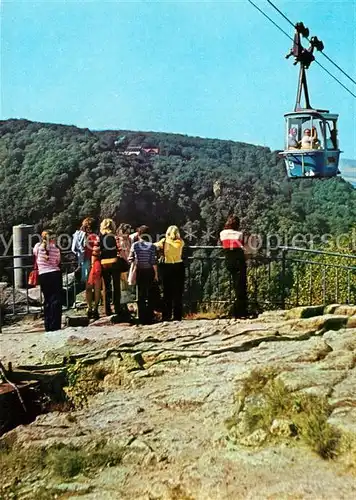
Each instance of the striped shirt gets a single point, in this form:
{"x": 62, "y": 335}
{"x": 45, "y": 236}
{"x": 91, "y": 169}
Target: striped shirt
{"x": 231, "y": 239}
{"x": 144, "y": 253}
{"x": 44, "y": 264}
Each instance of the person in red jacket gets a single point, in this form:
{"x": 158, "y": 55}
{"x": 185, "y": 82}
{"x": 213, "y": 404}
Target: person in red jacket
{"x": 92, "y": 269}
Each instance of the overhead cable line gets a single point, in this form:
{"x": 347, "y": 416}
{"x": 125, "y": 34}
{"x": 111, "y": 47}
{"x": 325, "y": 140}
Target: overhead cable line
{"x": 323, "y": 53}
{"x": 285, "y": 33}
{"x": 338, "y": 81}
{"x": 276, "y": 25}
{"x": 281, "y": 13}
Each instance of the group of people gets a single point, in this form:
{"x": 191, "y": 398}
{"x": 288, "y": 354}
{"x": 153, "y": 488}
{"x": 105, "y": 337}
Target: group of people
{"x": 112, "y": 260}
{"x": 309, "y": 139}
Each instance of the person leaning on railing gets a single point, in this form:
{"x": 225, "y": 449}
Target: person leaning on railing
{"x": 171, "y": 248}
{"x": 48, "y": 258}
{"x": 232, "y": 242}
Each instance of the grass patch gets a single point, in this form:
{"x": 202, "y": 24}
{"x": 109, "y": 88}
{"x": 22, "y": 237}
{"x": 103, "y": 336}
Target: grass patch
{"x": 204, "y": 315}
{"x": 348, "y": 449}
{"x": 256, "y": 381}
{"x": 84, "y": 382}
{"x": 211, "y": 310}
{"x": 15, "y": 461}
{"x": 67, "y": 462}
{"x": 86, "y": 379}
{"x": 264, "y": 401}
{"x": 61, "y": 461}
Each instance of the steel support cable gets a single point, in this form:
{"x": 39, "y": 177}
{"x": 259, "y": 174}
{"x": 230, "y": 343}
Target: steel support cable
{"x": 271, "y": 20}
{"x": 282, "y": 30}
{"x": 338, "y": 81}
{"x": 323, "y": 53}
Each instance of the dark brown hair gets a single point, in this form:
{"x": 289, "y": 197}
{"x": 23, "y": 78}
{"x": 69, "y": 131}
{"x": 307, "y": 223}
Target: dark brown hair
{"x": 123, "y": 229}
{"x": 143, "y": 230}
{"x": 233, "y": 222}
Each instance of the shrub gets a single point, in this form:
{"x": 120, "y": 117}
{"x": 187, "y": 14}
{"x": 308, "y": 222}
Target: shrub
{"x": 263, "y": 399}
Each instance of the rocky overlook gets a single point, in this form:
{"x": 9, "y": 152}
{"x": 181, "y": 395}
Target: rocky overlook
{"x": 203, "y": 409}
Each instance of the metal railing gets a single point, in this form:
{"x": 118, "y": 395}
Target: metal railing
{"x": 21, "y": 301}
{"x": 284, "y": 278}
{"x": 317, "y": 277}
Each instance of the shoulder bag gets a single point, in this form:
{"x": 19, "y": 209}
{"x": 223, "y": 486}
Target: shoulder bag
{"x": 162, "y": 258}
{"x": 132, "y": 274}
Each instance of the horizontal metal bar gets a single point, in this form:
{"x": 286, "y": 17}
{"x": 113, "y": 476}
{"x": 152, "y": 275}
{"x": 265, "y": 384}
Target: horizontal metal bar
{"x": 64, "y": 264}
{"x": 30, "y": 255}
{"x": 340, "y": 266}
{"x": 320, "y": 252}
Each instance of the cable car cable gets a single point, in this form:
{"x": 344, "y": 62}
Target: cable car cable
{"x": 323, "y": 53}
{"x": 276, "y": 25}
{"x": 281, "y": 13}
{"x": 338, "y": 81}
{"x": 285, "y": 33}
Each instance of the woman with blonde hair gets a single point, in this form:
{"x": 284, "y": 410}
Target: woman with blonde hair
{"x": 171, "y": 248}
{"x": 109, "y": 265}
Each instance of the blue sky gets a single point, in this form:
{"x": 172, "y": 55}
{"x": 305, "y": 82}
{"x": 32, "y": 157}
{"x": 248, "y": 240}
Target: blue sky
{"x": 211, "y": 69}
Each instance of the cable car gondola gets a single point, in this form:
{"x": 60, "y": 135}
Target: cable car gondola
{"x": 311, "y": 143}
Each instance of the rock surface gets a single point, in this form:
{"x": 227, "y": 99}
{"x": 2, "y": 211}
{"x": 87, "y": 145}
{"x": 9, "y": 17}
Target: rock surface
{"x": 169, "y": 414}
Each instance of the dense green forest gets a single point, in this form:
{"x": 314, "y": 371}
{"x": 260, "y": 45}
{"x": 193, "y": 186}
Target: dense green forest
{"x": 56, "y": 174}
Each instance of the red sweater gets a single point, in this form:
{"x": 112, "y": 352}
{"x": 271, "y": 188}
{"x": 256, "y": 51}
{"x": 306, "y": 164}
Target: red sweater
{"x": 231, "y": 239}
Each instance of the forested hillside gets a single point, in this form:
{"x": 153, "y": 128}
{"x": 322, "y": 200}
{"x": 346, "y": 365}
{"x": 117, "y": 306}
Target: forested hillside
{"x": 59, "y": 174}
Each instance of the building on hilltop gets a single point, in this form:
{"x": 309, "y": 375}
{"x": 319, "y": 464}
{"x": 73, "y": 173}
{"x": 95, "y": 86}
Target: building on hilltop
{"x": 137, "y": 150}
{"x": 151, "y": 151}
{"x": 133, "y": 151}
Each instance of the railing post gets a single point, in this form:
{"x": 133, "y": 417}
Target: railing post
{"x": 269, "y": 279}
{"x": 324, "y": 284}
{"x": 283, "y": 297}
{"x": 337, "y": 286}
{"x": 311, "y": 286}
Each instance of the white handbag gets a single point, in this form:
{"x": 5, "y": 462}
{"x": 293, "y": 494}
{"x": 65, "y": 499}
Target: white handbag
{"x": 132, "y": 274}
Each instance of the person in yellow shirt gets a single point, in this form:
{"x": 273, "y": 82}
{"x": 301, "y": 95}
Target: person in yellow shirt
{"x": 170, "y": 248}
